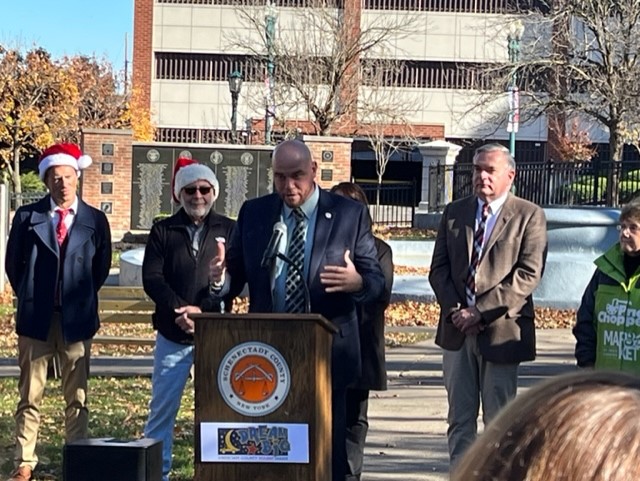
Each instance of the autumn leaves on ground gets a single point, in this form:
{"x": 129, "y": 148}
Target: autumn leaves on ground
{"x": 119, "y": 406}
{"x": 405, "y": 313}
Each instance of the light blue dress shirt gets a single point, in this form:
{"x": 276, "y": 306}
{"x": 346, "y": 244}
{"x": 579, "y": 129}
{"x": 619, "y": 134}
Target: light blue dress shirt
{"x": 310, "y": 209}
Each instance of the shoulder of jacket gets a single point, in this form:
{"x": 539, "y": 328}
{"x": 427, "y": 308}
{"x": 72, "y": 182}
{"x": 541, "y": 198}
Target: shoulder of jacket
{"x": 524, "y": 203}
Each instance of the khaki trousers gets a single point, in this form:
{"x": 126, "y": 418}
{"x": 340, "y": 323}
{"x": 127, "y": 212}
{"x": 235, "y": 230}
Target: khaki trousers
{"x": 33, "y": 359}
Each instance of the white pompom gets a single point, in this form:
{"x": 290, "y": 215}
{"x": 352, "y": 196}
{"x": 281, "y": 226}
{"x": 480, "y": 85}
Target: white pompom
{"x": 84, "y": 161}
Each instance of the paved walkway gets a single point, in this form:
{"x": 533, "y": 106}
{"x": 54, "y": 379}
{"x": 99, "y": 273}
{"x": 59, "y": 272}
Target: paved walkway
{"x": 407, "y": 437}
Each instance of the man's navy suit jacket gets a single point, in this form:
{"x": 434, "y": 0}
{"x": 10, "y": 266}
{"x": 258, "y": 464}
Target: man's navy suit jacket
{"x": 32, "y": 264}
{"x": 341, "y": 224}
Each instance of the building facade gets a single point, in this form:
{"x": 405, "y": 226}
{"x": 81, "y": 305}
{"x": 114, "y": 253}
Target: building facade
{"x": 185, "y": 50}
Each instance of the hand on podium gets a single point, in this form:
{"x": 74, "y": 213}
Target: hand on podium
{"x": 184, "y": 321}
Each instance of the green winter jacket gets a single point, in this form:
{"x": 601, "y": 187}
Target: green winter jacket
{"x": 607, "y": 330}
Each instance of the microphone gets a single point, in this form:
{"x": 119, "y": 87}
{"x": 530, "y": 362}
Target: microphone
{"x": 271, "y": 252}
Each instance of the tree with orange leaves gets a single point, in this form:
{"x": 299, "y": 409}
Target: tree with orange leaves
{"x": 43, "y": 101}
{"x": 38, "y": 100}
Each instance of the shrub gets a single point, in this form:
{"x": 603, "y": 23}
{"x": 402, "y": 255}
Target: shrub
{"x": 582, "y": 190}
{"x": 31, "y": 182}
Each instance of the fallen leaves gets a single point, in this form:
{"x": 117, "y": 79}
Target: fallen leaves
{"x": 404, "y": 313}
{"x": 412, "y": 313}
{"x": 410, "y": 270}
{"x": 406, "y": 233}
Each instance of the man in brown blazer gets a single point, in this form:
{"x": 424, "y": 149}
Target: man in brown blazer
{"x": 488, "y": 258}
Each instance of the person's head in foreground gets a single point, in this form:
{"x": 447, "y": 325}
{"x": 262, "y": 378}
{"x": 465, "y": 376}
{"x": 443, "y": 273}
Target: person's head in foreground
{"x": 583, "y": 426}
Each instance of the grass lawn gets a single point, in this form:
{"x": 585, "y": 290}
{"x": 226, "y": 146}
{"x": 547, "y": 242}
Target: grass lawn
{"x": 118, "y": 409}
{"x": 119, "y": 406}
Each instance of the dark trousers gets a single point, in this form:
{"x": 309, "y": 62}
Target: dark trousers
{"x": 339, "y": 427}
{"x": 357, "y": 427}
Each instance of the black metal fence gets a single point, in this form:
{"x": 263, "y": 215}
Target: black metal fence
{"x": 17, "y": 200}
{"x": 549, "y": 183}
{"x": 397, "y": 203}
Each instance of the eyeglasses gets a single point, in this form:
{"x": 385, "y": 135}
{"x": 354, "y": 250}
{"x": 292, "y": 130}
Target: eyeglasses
{"x": 203, "y": 189}
{"x": 632, "y": 228}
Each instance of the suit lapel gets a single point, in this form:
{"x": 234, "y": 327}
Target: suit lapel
{"x": 469, "y": 222}
{"x": 82, "y": 229}
{"x": 42, "y": 226}
{"x": 324, "y": 223}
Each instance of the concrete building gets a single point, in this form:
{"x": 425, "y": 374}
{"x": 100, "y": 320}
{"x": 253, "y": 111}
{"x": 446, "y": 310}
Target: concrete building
{"x": 185, "y": 50}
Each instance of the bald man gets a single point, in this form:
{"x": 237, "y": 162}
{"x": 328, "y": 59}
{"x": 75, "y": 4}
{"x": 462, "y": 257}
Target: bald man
{"x": 333, "y": 227}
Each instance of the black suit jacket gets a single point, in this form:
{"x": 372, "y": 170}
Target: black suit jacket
{"x": 341, "y": 224}
{"x": 371, "y": 317}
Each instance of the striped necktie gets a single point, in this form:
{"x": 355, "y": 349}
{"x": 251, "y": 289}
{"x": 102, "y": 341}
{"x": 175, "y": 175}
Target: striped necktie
{"x": 294, "y": 287}
{"x": 478, "y": 244}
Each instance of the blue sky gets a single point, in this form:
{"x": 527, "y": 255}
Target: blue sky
{"x": 70, "y": 27}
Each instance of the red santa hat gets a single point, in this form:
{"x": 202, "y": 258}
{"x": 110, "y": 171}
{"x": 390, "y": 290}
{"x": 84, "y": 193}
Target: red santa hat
{"x": 63, "y": 154}
{"x": 187, "y": 171}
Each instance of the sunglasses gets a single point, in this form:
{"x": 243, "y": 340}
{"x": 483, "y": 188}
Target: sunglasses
{"x": 204, "y": 190}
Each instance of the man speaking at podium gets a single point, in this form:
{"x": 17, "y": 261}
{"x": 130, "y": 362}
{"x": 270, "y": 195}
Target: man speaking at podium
{"x": 329, "y": 238}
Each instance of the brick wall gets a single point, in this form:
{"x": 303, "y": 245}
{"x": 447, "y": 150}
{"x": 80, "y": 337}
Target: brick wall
{"x": 106, "y": 183}
{"x": 142, "y": 48}
{"x": 339, "y": 167}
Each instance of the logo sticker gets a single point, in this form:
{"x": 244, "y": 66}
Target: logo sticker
{"x": 254, "y": 379}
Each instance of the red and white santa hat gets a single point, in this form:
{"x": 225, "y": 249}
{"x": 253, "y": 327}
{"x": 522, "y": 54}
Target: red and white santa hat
{"x": 63, "y": 154}
{"x": 187, "y": 171}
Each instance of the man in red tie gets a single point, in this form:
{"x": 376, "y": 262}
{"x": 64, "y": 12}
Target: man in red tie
{"x": 58, "y": 257}
{"x": 488, "y": 258}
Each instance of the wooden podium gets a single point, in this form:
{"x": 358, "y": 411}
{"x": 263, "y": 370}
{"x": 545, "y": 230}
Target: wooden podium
{"x": 263, "y": 397}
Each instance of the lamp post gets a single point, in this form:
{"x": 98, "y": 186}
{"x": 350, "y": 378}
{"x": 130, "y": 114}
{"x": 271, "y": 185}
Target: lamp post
{"x": 270, "y": 34}
{"x": 516, "y": 29}
{"x": 235, "y": 85}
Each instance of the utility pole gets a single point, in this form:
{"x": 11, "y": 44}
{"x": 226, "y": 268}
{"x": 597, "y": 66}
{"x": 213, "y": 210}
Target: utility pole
{"x": 516, "y": 30}
{"x": 270, "y": 34}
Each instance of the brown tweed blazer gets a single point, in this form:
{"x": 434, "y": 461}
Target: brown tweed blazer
{"x": 511, "y": 266}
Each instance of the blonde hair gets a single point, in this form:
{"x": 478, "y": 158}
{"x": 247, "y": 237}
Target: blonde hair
{"x": 583, "y": 426}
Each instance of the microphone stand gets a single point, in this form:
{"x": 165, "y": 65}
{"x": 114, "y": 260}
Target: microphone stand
{"x": 307, "y": 295}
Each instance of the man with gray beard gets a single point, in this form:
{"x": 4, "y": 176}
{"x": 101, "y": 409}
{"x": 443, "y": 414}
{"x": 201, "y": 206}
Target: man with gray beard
{"x": 175, "y": 276}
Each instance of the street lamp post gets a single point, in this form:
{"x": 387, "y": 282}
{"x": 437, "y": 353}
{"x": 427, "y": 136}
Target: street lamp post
{"x": 235, "y": 85}
{"x": 270, "y": 34}
{"x": 516, "y": 29}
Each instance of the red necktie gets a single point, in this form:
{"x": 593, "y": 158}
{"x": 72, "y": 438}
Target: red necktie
{"x": 61, "y": 228}
{"x": 478, "y": 241}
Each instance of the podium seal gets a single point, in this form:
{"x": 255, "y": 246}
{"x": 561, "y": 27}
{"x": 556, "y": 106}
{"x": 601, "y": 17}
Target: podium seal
{"x": 254, "y": 378}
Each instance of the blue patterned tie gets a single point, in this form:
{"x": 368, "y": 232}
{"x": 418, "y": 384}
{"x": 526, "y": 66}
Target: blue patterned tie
{"x": 294, "y": 288}
{"x": 478, "y": 241}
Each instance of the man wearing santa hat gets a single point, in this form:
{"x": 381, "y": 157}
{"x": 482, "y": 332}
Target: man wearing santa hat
{"x": 175, "y": 275}
{"x": 58, "y": 257}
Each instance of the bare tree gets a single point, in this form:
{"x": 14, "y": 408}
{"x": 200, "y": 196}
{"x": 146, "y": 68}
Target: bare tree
{"x": 317, "y": 52}
{"x": 579, "y": 61}
{"x": 385, "y": 111}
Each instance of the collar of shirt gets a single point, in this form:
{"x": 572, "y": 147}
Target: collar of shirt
{"x": 73, "y": 209}
{"x": 308, "y": 207}
{"x": 494, "y": 207}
